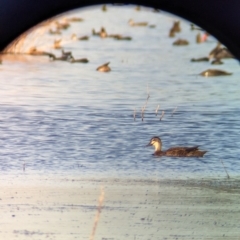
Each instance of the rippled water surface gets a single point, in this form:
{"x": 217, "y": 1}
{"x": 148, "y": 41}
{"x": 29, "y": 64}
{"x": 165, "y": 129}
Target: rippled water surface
{"x": 68, "y": 118}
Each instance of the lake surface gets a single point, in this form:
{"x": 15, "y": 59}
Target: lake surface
{"x": 64, "y": 118}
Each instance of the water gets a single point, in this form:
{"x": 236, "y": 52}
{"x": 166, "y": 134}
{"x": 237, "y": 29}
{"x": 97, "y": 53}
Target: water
{"x": 64, "y": 118}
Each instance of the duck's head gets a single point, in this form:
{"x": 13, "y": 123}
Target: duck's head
{"x": 156, "y": 142}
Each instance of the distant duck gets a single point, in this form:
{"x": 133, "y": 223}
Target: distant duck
{"x": 57, "y": 44}
{"x": 104, "y": 8}
{"x": 62, "y": 58}
{"x": 152, "y": 26}
{"x": 223, "y": 53}
{"x": 69, "y": 53}
{"x": 62, "y": 26}
{"x": 202, "y": 59}
{"x": 215, "y": 50}
{"x": 103, "y": 33}
{"x": 175, "y": 151}
{"x": 75, "y": 38}
{"x": 104, "y": 67}
{"x": 83, "y": 38}
{"x": 199, "y": 38}
{"x": 137, "y": 24}
{"x": 220, "y": 52}
{"x": 214, "y": 72}
{"x": 138, "y": 8}
{"x": 94, "y": 33}
{"x": 176, "y": 27}
{"x": 180, "y": 42}
{"x": 120, "y": 37}
{"x": 75, "y": 19}
{"x": 54, "y": 32}
{"x": 171, "y": 33}
{"x": 80, "y": 60}
{"x": 193, "y": 27}
{"x": 35, "y": 52}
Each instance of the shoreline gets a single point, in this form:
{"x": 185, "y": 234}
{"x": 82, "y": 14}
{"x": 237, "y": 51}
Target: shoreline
{"x": 51, "y": 207}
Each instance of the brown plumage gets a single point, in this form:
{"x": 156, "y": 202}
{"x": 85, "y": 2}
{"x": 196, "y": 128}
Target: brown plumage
{"x": 175, "y": 151}
{"x": 104, "y": 67}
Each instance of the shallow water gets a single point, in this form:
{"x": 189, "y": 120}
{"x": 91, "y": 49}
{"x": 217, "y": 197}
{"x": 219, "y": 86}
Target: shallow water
{"x": 67, "y": 118}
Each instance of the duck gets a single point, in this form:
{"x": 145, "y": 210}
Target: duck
{"x": 62, "y": 26}
{"x": 214, "y": 72}
{"x": 193, "y": 27}
{"x": 176, "y": 27}
{"x": 57, "y": 44}
{"x": 120, "y": 37}
{"x": 68, "y": 54}
{"x": 202, "y": 59}
{"x": 34, "y": 51}
{"x": 174, "y": 151}
{"x": 214, "y": 50}
{"x": 180, "y": 42}
{"x": 103, "y": 33}
{"x": 75, "y": 37}
{"x": 54, "y": 32}
{"x": 220, "y": 52}
{"x": 104, "y": 8}
{"x": 62, "y": 58}
{"x": 137, "y": 24}
{"x": 223, "y": 53}
{"x": 104, "y": 67}
{"x": 80, "y": 60}
{"x": 75, "y": 19}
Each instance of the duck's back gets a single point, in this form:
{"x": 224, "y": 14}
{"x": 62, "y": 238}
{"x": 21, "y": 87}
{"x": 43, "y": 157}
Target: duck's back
{"x": 184, "y": 152}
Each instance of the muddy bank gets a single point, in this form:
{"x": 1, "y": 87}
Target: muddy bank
{"x": 69, "y": 208}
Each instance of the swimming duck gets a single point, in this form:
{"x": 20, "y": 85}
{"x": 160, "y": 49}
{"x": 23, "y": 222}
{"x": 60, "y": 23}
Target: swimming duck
{"x": 220, "y": 52}
{"x": 214, "y": 50}
{"x": 54, "y": 32}
{"x": 137, "y": 24}
{"x": 62, "y": 58}
{"x": 104, "y": 68}
{"x": 104, "y": 8}
{"x": 62, "y": 26}
{"x": 103, "y": 33}
{"x": 214, "y": 72}
{"x": 223, "y": 53}
{"x": 193, "y": 27}
{"x": 35, "y": 52}
{"x": 68, "y": 54}
{"x": 75, "y": 38}
{"x": 202, "y": 59}
{"x": 176, "y": 27}
{"x": 120, "y": 37}
{"x": 175, "y": 151}
{"x": 57, "y": 44}
{"x": 80, "y": 60}
{"x": 75, "y": 19}
{"x": 180, "y": 42}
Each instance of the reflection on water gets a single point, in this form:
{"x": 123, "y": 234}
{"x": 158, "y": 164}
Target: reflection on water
{"x": 69, "y": 118}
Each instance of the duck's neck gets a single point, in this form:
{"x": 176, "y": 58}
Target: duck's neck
{"x": 158, "y": 146}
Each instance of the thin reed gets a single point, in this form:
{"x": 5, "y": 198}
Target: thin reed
{"x": 97, "y": 217}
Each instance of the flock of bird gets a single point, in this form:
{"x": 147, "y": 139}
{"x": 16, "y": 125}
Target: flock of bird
{"x": 216, "y": 55}
{"x": 56, "y": 27}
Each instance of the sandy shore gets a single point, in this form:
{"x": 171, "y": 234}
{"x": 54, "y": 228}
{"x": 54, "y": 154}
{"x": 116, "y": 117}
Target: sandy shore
{"x": 66, "y": 208}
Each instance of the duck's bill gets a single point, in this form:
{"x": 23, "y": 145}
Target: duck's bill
{"x": 149, "y": 144}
